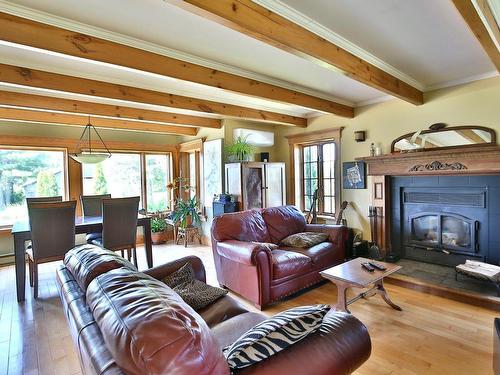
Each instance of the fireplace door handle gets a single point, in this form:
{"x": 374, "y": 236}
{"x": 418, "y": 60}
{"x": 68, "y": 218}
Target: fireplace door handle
{"x": 476, "y": 235}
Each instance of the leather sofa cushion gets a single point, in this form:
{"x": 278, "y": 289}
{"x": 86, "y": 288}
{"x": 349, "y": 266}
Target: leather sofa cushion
{"x": 221, "y": 310}
{"x": 86, "y": 262}
{"x": 322, "y": 255}
{"x": 149, "y": 329}
{"x": 230, "y": 330}
{"x": 283, "y": 221}
{"x": 247, "y": 226}
{"x": 289, "y": 263}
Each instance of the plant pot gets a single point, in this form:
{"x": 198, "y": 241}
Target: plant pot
{"x": 159, "y": 237}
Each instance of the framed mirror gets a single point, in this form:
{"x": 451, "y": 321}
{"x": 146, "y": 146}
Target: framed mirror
{"x": 444, "y": 137}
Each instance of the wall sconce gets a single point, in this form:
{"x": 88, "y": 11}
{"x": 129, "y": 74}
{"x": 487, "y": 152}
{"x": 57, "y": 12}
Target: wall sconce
{"x": 359, "y": 136}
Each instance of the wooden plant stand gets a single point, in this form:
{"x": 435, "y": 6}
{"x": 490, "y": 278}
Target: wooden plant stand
{"x": 188, "y": 234}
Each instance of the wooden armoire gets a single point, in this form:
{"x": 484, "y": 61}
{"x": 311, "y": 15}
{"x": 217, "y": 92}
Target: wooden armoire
{"x": 256, "y": 184}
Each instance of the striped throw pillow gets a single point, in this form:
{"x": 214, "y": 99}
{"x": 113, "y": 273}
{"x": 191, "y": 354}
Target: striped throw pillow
{"x": 274, "y": 334}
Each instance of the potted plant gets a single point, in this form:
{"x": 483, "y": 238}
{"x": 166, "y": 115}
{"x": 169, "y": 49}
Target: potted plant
{"x": 240, "y": 150}
{"x": 158, "y": 230}
{"x": 186, "y": 213}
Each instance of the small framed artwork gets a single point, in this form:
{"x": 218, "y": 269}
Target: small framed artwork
{"x": 354, "y": 175}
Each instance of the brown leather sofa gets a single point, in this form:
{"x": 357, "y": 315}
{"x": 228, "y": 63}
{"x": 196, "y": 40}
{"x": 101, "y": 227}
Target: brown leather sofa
{"x": 245, "y": 265}
{"x": 128, "y": 322}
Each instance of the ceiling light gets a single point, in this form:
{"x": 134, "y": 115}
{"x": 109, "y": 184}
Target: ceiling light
{"x": 90, "y": 156}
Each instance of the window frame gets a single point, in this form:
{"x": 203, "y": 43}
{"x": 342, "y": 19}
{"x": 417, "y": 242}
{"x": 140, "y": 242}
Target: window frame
{"x": 296, "y": 187}
{"x": 143, "y": 168}
{"x": 66, "y": 192}
{"x": 320, "y": 176}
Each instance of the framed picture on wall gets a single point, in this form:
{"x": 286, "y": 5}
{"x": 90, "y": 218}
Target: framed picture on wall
{"x": 354, "y": 175}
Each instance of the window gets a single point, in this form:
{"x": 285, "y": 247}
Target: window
{"x": 318, "y": 170}
{"x": 157, "y": 179}
{"x": 192, "y": 174}
{"x": 122, "y": 176}
{"x": 28, "y": 173}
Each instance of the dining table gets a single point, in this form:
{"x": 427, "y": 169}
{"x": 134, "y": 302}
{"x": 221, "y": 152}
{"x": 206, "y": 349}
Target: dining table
{"x": 83, "y": 224}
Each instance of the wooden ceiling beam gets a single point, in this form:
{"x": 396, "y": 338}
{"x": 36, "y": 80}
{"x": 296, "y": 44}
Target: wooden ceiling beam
{"x": 58, "y": 118}
{"x": 41, "y": 79}
{"x": 127, "y": 113}
{"x": 471, "y": 17}
{"x": 258, "y": 22}
{"x": 39, "y": 35}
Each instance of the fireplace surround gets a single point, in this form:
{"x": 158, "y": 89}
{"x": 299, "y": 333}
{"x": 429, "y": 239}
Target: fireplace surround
{"x": 438, "y": 206}
{"x": 445, "y": 219}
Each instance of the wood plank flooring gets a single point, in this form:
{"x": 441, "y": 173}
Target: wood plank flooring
{"x": 432, "y": 335}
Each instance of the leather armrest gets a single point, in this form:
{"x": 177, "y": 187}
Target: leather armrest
{"x": 240, "y": 251}
{"x": 160, "y": 272}
{"x": 341, "y": 345}
{"x": 337, "y": 234}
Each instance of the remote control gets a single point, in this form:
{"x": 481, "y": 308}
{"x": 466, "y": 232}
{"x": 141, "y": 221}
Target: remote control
{"x": 378, "y": 266}
{"x": 367, "y": 266}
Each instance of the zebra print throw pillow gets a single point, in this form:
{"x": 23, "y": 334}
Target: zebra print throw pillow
{"x": 274, "y": 334}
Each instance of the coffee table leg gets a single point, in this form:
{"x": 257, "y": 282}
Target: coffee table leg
{"x": 341, "y": 297}
{"x": 381, "y": 290}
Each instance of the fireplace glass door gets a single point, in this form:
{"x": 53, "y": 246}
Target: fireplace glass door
{"x": 425, "y": 230}
{"x": 443, "y": 231}
{"x": 455, "y": 232}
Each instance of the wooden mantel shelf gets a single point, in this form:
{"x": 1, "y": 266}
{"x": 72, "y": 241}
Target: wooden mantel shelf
{"x": 469, "y": 160}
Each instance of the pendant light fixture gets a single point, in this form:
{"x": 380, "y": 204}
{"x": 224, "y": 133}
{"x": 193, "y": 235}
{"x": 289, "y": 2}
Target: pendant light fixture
{"x": 89, "y": 156}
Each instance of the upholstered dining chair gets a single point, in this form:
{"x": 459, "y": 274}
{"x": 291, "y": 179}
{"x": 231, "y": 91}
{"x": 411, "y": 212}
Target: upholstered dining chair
{"x": 119, "y": 225}
{"x": 92, "y": 206}
{"x": 40, "y": 200}
{"x": 52, "y": 234}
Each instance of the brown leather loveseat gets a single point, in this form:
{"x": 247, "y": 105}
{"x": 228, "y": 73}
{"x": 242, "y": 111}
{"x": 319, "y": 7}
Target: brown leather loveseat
{"x": 247, "y": 266}
{"x": 128, "y": 322}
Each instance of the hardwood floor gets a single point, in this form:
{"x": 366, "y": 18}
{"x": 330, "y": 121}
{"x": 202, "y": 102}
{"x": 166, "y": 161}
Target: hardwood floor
{"x": 432, "y": 335}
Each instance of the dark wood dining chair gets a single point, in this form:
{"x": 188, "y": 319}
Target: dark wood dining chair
{"x": 43, "y": 199}
{"x": 52, "y": 235}
{"x": 119, "y": 226}
{"x": 92, "y": 206}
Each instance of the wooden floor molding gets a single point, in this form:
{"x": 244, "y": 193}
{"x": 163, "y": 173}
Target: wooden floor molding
{"x": 431, "y": 336}
{"x": 465, "y": 296}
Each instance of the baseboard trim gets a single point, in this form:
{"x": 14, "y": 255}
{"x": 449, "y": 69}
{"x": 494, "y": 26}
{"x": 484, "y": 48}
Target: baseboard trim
{"x": 492, "y": 303}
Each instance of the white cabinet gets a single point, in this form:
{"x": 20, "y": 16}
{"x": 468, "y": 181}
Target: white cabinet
{"x": 257, "y": 185}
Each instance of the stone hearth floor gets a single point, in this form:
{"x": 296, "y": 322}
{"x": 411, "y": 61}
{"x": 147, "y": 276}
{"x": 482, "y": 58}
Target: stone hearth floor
{"x": 444, "y": 276}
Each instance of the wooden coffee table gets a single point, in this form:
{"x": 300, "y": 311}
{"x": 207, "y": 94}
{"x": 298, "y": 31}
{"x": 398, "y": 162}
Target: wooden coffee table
{"x": 351, "y": 275}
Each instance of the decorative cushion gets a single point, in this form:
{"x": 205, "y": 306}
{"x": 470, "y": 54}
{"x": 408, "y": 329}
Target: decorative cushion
{"x": 197, "y": 294}
{"x": 194, "y": 292}
{"x": 274, "y": 334}
{"x": 305, "y": 239}
{"x": 268, "y": 245}
{"x": 183, "y": 275}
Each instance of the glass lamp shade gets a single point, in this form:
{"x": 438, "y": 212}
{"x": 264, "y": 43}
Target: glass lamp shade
{"x": 90, "y": 158}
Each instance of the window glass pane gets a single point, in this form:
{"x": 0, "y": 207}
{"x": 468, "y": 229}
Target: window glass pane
{"x": 120, "y": 176}
{"x": 28, "y": 173}
{"x": 314, "y": 153}
{"x": 307, "y": 154}
{"x": 328, "y": 204}
{"x": 157, "y": 177}
{"x": 327, "y": 187}
{"x": 314, "y": 170}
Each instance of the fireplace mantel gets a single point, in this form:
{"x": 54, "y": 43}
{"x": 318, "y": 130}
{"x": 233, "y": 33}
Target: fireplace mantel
{"x": 467, "y": 160}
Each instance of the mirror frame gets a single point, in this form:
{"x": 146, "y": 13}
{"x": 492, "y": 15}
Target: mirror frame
{"x": 451, "y": 128}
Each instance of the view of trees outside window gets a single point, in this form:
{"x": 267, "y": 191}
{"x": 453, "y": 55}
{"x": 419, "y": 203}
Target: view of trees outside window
{"x": 120, "y": 176}
{"x": 157, "y": 178}
{"x": 28, "y": 173}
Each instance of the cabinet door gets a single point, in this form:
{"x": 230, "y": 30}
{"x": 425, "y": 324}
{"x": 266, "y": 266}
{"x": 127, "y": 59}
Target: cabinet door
{"x": 253, "y": 186}
{"x": 233, "y": 180}
{"x": 275, "y": 184}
